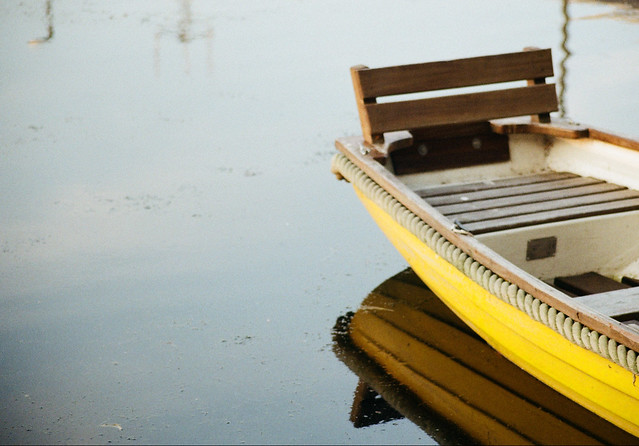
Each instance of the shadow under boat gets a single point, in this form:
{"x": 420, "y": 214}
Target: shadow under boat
{"x": 416, "y": 359}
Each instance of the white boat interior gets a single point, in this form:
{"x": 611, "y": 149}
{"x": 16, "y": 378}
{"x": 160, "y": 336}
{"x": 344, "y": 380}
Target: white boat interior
{"x": 557, "y": 201}
{"x": 557, "y": 208}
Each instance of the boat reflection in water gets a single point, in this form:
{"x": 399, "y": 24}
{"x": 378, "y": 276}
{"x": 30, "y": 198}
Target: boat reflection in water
{"x": 416, "y": 359}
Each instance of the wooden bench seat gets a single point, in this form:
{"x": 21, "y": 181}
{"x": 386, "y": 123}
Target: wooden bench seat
{"x": 619, "y": 300}
{"x": 484, "y": 207}
{"x": 616, "y": 304}
{"x": 588, "y": 283}
{"x": 536, "y": 98}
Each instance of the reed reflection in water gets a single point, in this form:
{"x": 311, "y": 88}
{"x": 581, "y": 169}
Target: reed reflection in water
{"x": 49, "y": 21}
{"x": 185, "y": 33}
{"x": 408, "y": 348}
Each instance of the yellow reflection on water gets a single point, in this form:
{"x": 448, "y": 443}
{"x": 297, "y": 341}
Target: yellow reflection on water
{"x": 408, "y": 347}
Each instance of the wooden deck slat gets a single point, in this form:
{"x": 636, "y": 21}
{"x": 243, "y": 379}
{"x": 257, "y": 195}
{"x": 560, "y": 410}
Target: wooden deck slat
{"x": 511, "y": 191}
{"x": 552, "y": 216}
{"x": 456, "y": 188}
{"x": 481, "y": 205}
{"x": 545, "y": 205}
{"x": 616, "y": 303}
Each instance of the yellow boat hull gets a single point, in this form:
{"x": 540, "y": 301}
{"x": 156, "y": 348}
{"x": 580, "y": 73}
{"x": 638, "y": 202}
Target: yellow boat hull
{"x": 597, "y": 384}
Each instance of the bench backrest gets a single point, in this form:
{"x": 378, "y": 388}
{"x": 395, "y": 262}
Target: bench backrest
{"x": 534, "y": 98}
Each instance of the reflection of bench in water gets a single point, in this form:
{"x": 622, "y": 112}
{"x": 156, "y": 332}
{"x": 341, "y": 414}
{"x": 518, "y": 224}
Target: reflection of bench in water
{"x": 509, "y": 203}
{"x": 404, "y": 343}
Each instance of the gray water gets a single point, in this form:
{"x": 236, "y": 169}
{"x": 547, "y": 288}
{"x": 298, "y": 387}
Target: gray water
{"x": 173, "y": 248}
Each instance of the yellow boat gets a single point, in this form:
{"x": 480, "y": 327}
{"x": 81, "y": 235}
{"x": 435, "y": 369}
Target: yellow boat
{"x": 524, "y": 226}
{"x": 406, "y": 346}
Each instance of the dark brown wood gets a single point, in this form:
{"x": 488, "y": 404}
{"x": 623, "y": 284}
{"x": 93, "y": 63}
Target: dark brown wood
{"x": 518, "y": 221}
{"x": 392, "y": 141}
{"x": 452, "y": 130}
{"x": 630, "y": 281}
{"x": 506, "y": 202}
{"x": 513, "y": 191}
{"x": 457, "y": 109}
{"x": 456, "y": 188}
{"x": 435, "y": 154}
{"x": 544, "y": 205}
{"x": 588, "y": 283}
{"x": 362, "y": 101}
{"x": 376, "y": 118}
{"x": 542, "y": 118}
{"x": 455, "y": 73}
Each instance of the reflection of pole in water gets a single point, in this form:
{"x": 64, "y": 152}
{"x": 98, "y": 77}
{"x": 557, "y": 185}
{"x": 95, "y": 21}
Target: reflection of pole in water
{"x": 562, "y": 63}
{"x": 185, "y": 36}
{"x": 49, "y": 17}
{"x": 184, "y": 32}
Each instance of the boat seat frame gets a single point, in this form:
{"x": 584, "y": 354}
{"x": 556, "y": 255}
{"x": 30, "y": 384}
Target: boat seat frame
{"x": 456, "y": 130}
{"x": 536, "y": 98}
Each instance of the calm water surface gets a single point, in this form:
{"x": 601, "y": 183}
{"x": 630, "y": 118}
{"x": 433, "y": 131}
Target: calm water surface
{"x": 173, "y": 248}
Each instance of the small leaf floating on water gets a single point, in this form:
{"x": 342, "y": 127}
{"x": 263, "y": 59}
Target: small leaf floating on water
{"x": 114, "y": 425}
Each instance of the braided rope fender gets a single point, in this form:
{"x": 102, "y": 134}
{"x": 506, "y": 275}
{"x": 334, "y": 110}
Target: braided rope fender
{"x": 508, "y": 292}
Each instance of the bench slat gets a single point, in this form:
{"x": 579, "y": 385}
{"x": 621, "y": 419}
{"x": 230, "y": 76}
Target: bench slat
{"x": 481, "y": 205}
{"x": 588, "y": 283}
{"x": 545, "y": 205}
{"x": 455, "y": 73}
{"x": 552, "y": 216}
{"x": 457, "y": 109}
{"x": 514, "y": 191}
{"x": 457, "y": 188}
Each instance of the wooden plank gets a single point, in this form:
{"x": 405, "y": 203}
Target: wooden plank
{"x": 611, "y": 138}
{"x": 588, "y": 283}
{"x": 618, "y": 303}
{"x": 446, "y": 153}
{"x": 452, "y": 130}
{"x": 455, "y": 73}
{"x": 454, "y": 188}
{"x": 512, "y": 191}
{"x": 558, "y": 127}
{"x": 544, "y": 205}
{"x": 516, "y": 200}
{"x": 457, "y": 109}
{"x": 538, "y": 218}
{"x": 361, "y": 102}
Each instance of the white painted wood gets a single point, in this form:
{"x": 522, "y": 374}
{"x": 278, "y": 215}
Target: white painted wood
{"x": 613, "y": 303}
{"x": 600, "y": 244}
{"x": 596, "y": 159}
